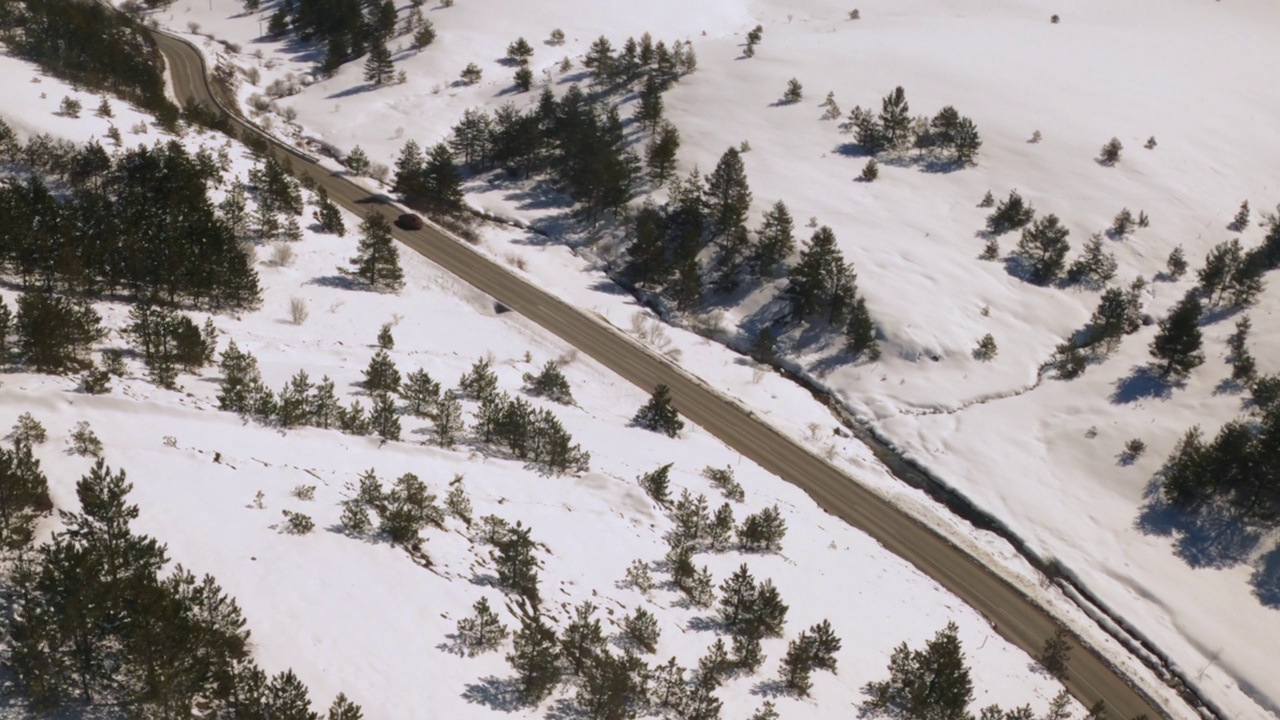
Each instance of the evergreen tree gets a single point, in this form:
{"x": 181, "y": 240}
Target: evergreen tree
{"x": 241, "y": 381}
{"x": 763, "y": 531}
{"x": 895, "y": 120}
{"x": 796, "y": 668}
{"x": 24, "y": 495}
{"x": 1011, "y": 214}
{"x": 1110, "y": 154}
{"x": 1177, "y": 345}
{"x": 929, "y": 683}
{"x": 641, "y": 628}
{"x": 738, "y": 601}
{"x": 442, "y": 183}
{"x": 482, "y": 631}
{"x": 775, "y": 243}
{"x": 324, "y": 408}
{"x": 686, "y": 290}
{"x": 381, "y": 376}
{"x": 420, "y": 393}
{"x": 656, "y": 484}
{"x": 583, "y": 640}
{"x": 448, "y": 420}
{"x": 649, "y": 109}
{"x": 328, "y": 215}
{"x": 523, "y": 78}
{"x": 715, "y": 666}
{"x": 728, "y": 197}
{"x": 408, "y": 181}
{"x": 535, "y": 657}
{"x": 386, "y": 340}
{"x": 516, "y": 565}
{"x": 967, "y": 142}
{"x": 1117, "y": 314}
{"x": 822, "y": 280}
{"x": 54, "y": 334}
{"x": 1043, "y": 248}
{"x": 424, "y": 35}
{"x": 520, "y": 51}
{"x": 344, "y": 709}
{"x": 480, "y": 382}
{"x": 378, "y": 68}
{"x": 1096, "y": 267}
{"x": 794, "y": 92}
{"x": 658, "y": 414}
{"x": 294, "y": 401}
{"x": 860, "y": 334}
{"x": 377, "y": 261}
{"x": 471, "y": 74}
{"x": 550, "y": 383}
{"x": 357, "y": 161}
{"x": 1177, "y": 263}
{"x": 383, "y": 418}
{"x": 287, "y": 698}
{"x": 1241, "y": 220}
{"x": 1056, "y": 654}
{"x": 660, "y": 153}
{"x": 870, "y": 171}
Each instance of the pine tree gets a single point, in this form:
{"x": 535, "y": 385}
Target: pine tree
{"x": 715, "y": 666}
{"x": 738, "y": 601}
{"x": 54, "y": 334}
{"x": 1056, "y": 654}
{"x": 420, "y": 393}
{"x": 381, "y": 376}
{"x": 641, "y": 628}
{"x": 656, "y": 484}
{"x": 1177, "y": 263}
{"x": 649, "y": 109}
{"x": 377, "y": 261}
{"x": 287, "y": 698}
{"x": 727, "y": 196}
{"x": 378, "y": 68}
{"x": 870, "y": 171}
{"x": 686, "y": 290}
{"x": 479, "y": 382}
{"x": 1011, "y": 214}
{"x": 24, "y": 495}
{"x": 860, "y": 334}
{"x": 294, "y": 402}
{"x": 471, "y": 74}
{"x": 448, "y": 421}
{"x": 1241, "y": 220}
{"x": 241, "y": 381}
{"x": 516, "y": 565}
{"x": 442, "y": 181}
{"x": 523, "y": 78}
{"x": 424, "y": 35}
{"x": 967, "y": 142}
{"x": 408, "y": 180}
{"x": 763, "y": 531}
{"x": 796, "y": 667}
{"x": 357, "y": 161}
{"x": 323, "y": 404}
{"x": 767, "y": 711}
{"x": 344, "y": 709}
{"x": 1096, "y": 267}
{"x": 1117, "y": 314}
{"x": 583, "y": 639}
{"x": 1177, "y": 345}
{"x": 482, "y": 631}
{"x": 895, "y": 120}
{"x": 1044, "y": 249}
{"x": 794, "y": 92}
{"x": 775, "y": 241}
{"x": 1110, "y": 154}
{"x": 658, "y": 414}
{"x": 535, "y": 657}
{"x": 383, "y": 418}
{"x": 929, "y": 683}
{"x": 550, "y": 383}
{"x": 660, "y": 153}
{"x": 328, "y": 215}
{"x": 822, "y": 280}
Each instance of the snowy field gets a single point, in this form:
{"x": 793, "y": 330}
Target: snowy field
{"x": 361, "y": 617}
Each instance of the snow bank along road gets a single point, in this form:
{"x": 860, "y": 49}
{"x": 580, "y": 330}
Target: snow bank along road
{"x": 1011, "y": 613}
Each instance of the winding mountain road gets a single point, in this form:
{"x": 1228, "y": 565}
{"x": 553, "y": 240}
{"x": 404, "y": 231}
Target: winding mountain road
{"x": 1013, "y": 615}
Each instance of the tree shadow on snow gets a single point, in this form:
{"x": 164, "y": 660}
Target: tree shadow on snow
{"x": 1212, "y": 536}
{"x": 1143, "y": 383}
{"x": 495, "y": 693}
{"x": 1266, "y": 579}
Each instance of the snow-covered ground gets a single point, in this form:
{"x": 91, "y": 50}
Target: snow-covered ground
{"x": 362, "y": 618}
{"x": 1191, "y": 73}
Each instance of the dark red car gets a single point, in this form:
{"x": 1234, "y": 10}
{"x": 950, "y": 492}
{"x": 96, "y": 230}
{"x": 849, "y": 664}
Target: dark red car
{"x": 409, "y": 221}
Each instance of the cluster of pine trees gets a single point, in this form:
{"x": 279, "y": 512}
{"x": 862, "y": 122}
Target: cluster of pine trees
{"x": 139, "y": 224}
{"x": 95, "y": 618}
{"x": 947, "y": 135}
{"x": 705, "y": 221}
{"x": 91, "y": 46}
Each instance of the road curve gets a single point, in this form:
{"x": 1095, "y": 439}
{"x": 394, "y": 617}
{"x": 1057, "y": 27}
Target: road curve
{"x": 1012, "y": 614}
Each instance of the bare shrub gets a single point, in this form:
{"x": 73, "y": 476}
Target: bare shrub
{"x": 259, "y": 103}
{"x": 281, "y": 255}
{"x": 515, "y": 261}
{"x": 193, "y": 27}
{"x": 252, "y": 75}
{"x": 298, "y": 312}
{"x": 378, "y": 171}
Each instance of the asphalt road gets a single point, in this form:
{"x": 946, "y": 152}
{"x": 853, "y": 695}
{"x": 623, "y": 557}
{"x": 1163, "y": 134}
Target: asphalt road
{"x": 1012, "y": 614}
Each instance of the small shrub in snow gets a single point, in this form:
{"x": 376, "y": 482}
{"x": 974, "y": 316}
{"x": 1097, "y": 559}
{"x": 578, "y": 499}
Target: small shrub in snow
{"x": 1110, "y": 154}
{"x": 386, "y": 340}
{"x": 297, "y": 523}
{"x": 1143, "y": 219}
{"x": 1123, "y": 224}
{"x": 95, "y": 381}
{"x": 457, "y": 504}
{"x": 794, "y": 92}
{"x": 723, "y": 480}
{"x": 1035, "y": 137}
{"x": 870, "y": 171}
{"x": 550, "y": 383}
{"x": 1010, "y": 214}
{"x": 767, "y": 711}
{"x": 990, "y": 251}
{"x": 1151, "y": 143}
{"x": 855, "y": 14}
{"x": 70, "y": 107}
{"x": 84, "y": 442}
{"x": 104, "y": 108}
{"x": 28, "y": 430}
{"x": 641, "y": 628}
{"x": 1177, "y": 263}
{"x": 763, "y": 531}
{"x": 259, "y": 499}
{"x": 298, "y": 312}
{"x": 638, "y": 577}
{"x": 446, "y": 3}
{"x": 170, "y": 441}
{"x": 471, "y": 74}
{"x": 986, "y": 349}
{"x": 557, "y": 38}
{"x": 304, "y": 492}
{"x": 1133, "y": 450}
{"x": 987, "y": 201}
{"x": 1054, "y": 19}
{"x": 1241, "y": 220}
{"x": 281, "y": 255}
{"x": 658, "y": 414}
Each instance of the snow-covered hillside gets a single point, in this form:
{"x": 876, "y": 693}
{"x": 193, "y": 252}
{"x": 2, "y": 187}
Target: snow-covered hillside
{"x": 360, "y": 616}
{"x": 1185, "y": 72}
